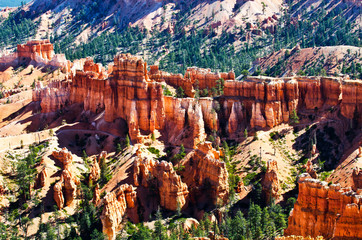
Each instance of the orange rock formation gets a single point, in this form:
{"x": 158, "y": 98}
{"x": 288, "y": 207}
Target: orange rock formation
{"x": 204, "y": 166}
{"x": 42, "y": 177}
{"x": 36, "y": 52}
{"x": 131, "y": 93}
{"x": 173, "y": 192}
{"x": 328, "y": 211}
{"x": 68, "y": 182}
{"x": 270, "y": 182}
{"x": 116, "y": 204}
{"x": 36, "y": 48}
{"x": 96, "y": 195}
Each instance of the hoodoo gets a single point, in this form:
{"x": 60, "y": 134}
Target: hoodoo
{"x": 329, "y": 211}
{"x": 135, "y": 95}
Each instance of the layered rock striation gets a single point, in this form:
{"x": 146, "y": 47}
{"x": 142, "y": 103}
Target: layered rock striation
{"x": 329, "y": 211}
{"x": 129, "y": 92}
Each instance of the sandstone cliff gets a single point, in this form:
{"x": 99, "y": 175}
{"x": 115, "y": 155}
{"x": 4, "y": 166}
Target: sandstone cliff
{"x": 116, "y": 204}
{"x": 328, "y": 211}
{"x": 135, "y": 95}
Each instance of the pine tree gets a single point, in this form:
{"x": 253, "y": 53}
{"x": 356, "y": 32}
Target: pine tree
{"x": 127, "y": 141}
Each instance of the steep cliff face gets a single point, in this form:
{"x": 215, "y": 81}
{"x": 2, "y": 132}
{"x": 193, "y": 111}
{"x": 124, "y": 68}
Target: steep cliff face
{"x": 136, "y": 96}
{"x": 65, "y": 190}
{"x": 172, "y": 191}
{"x": 270, "y": 101}
{"x": 328, "y": 211}
{"x": 88, "y": 86}
{"x": 194, "y": 78}
{"x": 116, "y": 204}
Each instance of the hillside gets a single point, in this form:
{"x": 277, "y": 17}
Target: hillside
{"x": 332, "y": 61}
{"x": 175, "y": 120}
{"x": 225, "y": 35}
{"x": 127, "y": 152}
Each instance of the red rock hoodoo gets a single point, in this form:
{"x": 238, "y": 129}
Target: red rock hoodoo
{"x": 329, "y": 211}
{"x": 65, "y": 190}
{"x": 172, "y": 191}
{"x": 271, "y": 182}
{"x": 135, "y": 95}
{"x": 203, "y": 166}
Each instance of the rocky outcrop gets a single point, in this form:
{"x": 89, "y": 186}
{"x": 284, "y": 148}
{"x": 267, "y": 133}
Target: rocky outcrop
{"x": 189, "y": 224}
{"x": 270, "y": 182}
{"x": 96, "y": 195}
{"x": 35, "y": 49}
{"x": 35, "y": 52}
{"x": 58, "y": 193}
{"x": 88, "y": 86}
{"x": 42, "y": 177}
{"x": 65, "y": 190}
{"x": 95, "y": 171}
{"x": 329, "y": 211}
{"x": 203, "y": 167}
{"x": 133, "y": 97}
{"x": 64, "y": 156}
{"x": 194, "y": 78}
{"x": 309, "y": 169}
{"x": 116, "y": 204}
{"x": 131, "y": 93}
{"x": 172, "y": 191}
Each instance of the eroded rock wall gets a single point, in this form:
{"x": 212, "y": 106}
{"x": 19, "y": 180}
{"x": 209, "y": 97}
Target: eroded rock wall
{"x": 328, "y": 211}
{"x": 135, "y": 95}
